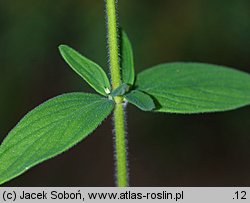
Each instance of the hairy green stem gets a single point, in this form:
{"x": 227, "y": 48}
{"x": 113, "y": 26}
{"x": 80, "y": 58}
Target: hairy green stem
{"x": 119, "y": 114}
{"x": 113, "y": 43}
{"x": 120, "y": 146}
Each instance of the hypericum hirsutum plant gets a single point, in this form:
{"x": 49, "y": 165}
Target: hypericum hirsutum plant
{"x": 63, "y": 121}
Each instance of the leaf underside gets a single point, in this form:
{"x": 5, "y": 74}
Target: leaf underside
{"x": 195, "y": 87}
{"x": 140, "y": 99}
{"x": 91, "y": 72}
{"x": 49, "y": 130}
{"x": 127, "y": 60}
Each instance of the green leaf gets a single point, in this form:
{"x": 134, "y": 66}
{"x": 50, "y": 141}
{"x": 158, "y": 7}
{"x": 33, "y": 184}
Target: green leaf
{"x": 91, "y": 72}
{"x": 127, "y": 61}
{"x": 141, "y": 100}
{"x": 49, "y": 130}
{"x": 195, "y": 87}
{"x": 121, "y": 90}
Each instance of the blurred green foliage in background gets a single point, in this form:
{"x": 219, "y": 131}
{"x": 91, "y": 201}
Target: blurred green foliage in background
{"x": 164, "y": 149}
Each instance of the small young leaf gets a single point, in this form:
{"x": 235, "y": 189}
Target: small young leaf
{"x": 127, "y": 61}
{"x": 50, "y": 129}
{"x": 121, "y": 90}
{"x": 141, "y": 100}
{"x": 195, "y": 87}
{"x": 92, "y": 73}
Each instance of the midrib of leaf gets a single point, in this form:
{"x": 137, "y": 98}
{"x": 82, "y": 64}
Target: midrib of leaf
{"x": 81, "y": 128}
{"x": 171, "y": 107}
{"x": 205, "y": 91}
{"x": 220, "y": 94}
{"x": 46, "y": 137}
{"x": 25, "y": 151}
{"x": 181, "y": 102}
{"x": 49, "y": 114}
{"x": 178, "y": 96}
{"x": 90, "y": 77}
{"x": 50, "y": 124}
{"x": 46, "y": 115}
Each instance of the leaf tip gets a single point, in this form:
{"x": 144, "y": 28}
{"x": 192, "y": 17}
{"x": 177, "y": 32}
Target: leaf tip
{"x": 62, "y": 47}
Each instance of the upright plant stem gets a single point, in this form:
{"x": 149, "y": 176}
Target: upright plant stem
{"x": 120, "y": 145}
{"x": 113, "y": 43}
{"x": 119, "y": 114}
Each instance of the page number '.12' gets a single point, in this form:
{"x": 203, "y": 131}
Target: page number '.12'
{"x": 240, "y": 195}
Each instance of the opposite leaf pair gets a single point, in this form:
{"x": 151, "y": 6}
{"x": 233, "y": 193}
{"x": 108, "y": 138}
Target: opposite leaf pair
{"x": 63, "y": 121}
{"x": 172, "y": 87}
{"x": 60, "y": 123}
{"x": 95, "y": 76}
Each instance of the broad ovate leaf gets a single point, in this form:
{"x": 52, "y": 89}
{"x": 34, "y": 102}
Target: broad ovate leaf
{"x": 195, "y": 87}
{"x": 127, "y": 60}
{"x": 49, "y": 130}
{"x": 91, "y": 72}
{"x": 141, "y": 100}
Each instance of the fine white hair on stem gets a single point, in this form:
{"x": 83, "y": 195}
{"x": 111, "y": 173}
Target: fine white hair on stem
{"x": 126, "y": 145}
{"x": 126, "y": 141}
{"x": 107, "y": 36}
{"x": 119, "y": 120}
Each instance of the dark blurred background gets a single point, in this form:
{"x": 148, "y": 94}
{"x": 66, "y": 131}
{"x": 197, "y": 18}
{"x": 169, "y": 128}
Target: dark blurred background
{"x": 164, "y": 149}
